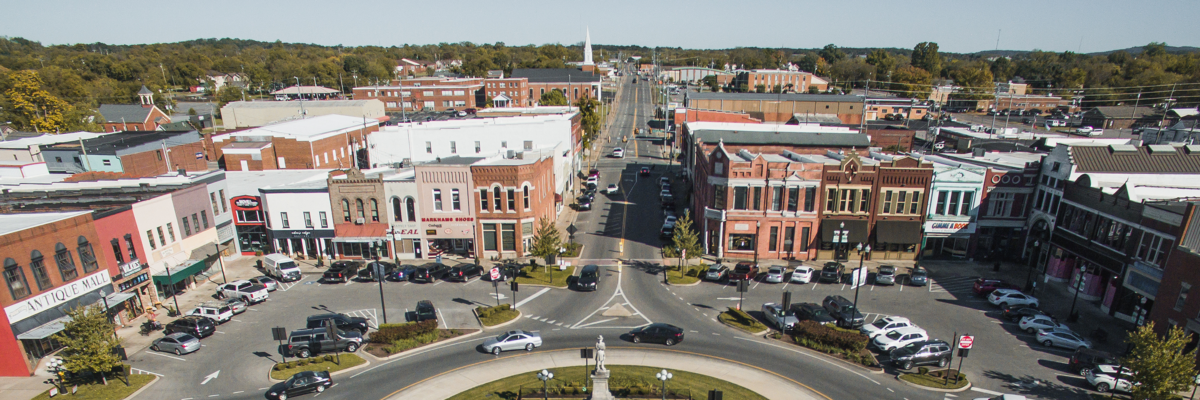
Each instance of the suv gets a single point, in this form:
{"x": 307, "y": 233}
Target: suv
{"x": 431, "y": 272}
{"x": 842, "y": 309}
{"x": 426, "y": 311}
{"x": 589, "y": 278}
{"x": 900, "y": 338}
{"x": 303, "y": 343}
{"x": 812, "y": 312}
{"x": 341, "y": 321}
{"x": 926, "y": 352}
{"x": 1085, "y": 359}
{"x": 243, "y": 289}
{"x": 832, "y": 272}
{"x": 217, "y": 312}
{"x": 200, "y": 327}
{"x": 367, "y": 273}
{"x": 463, "y": 272}
{"x": 743, "y": 271}
{"x": 341, "y": 271}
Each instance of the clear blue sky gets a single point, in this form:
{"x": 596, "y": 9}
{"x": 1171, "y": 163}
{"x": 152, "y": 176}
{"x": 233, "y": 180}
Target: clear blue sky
{"x": 956, "y": 25}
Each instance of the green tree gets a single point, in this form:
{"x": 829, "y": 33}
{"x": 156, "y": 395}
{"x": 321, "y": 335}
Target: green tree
{"x": 684, "y": 242}
{"x": 913, "y": 82}
{"x": 884, "y": 63}
{"x": 809, "y": 62}
{"x": 553, "y": 98}
{"x": 548, "y": 240}
{"x": 1154, "y": 49}
{"x": 711, "y": 82}
{"x": 589, "y": 112}
{"x": 925, "y": 56}
{"x": 228, "y": 94}
{"x": 1160, "y": 364}
{"x": 975, "y": 79}
{"x": 832, "y": 54}
{"x": 191, "y": 111}
{"x": 760, "y": 88}
{"x": 88, "y": 341}
{"x": 32, "y": 107}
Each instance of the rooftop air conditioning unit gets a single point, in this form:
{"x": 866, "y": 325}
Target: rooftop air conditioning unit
{"x": 360, "y": 221}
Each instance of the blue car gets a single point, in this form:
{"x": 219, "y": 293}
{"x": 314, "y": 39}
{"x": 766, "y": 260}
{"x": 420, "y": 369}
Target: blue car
{"x": 402, "y": 273}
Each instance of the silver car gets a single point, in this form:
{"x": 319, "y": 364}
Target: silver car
{"x": 886, "y": 275}
{"x": 267, "y": 281}
{"x": 179, "y": 343}
{"x": 237, "y": 305}
{"x": 1059, "y": 337}
{"x": 513, "y": 340}
{"x": 716, "y": 272}
{"x": 774, "y": 275}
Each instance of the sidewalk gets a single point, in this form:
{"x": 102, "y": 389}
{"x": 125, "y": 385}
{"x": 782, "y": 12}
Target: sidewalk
{"x": 763, "y": 382}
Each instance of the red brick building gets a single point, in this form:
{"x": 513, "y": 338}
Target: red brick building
{"x": 574, "y": 83}
{"x": 132, "y": 154}
{"x": 508, "y": 92}
{"x": 799, "y": 81}
{"x": 429, "y": 94}
{"x": 511, "y": 197}
{"x": 322, "y": 142}
{"x": 119, "y": 246}
{"x": 1176, "y": 306}
{"x": 880, "y": 203}
{"x": 134, "y": 117}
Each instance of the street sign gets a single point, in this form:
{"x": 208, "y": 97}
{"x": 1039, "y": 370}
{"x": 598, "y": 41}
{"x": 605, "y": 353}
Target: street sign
{"x": 495, "y": 275}
{"x": 858, "y": 277}
{"x": 571, "y": 229}
{"x": 965, "y": 341}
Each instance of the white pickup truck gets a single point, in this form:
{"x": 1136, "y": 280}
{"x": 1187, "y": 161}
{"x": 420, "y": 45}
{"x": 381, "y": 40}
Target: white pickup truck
{"x": 245, "y": 290}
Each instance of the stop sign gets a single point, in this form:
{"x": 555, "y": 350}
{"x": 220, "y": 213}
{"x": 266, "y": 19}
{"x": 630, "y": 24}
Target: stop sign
{"x": 495, "y": 273}
{"x": 965, "y": 342}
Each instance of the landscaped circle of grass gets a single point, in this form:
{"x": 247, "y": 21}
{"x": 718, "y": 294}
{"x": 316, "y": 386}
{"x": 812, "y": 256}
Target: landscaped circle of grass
{"x": 284, "y": 372}
{"x": 621, "y": 376}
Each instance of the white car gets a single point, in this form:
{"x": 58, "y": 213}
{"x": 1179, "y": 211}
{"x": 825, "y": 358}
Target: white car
{"x": 883, "y": 326}
{"x": 1104, "y": 378}
{"x": 612, "y": 188}
{"x": 618, "y": 153}
{"x": 593, "y": 181}
{"x": 670, "y": 220}
{"x": 802, "y": 275}
{"x": 1007, "y": 297}
{"x": 1032, "y": 323}
{"x": 774, "y": 275}
{"x": 662, "y": 180}
{"x": 899, "y": 338}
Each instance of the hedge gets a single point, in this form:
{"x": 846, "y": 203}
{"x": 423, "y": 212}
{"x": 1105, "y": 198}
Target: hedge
{"x": 842, "y": 339}
{"x": 389, "y": 333}
{"x": 485, "y": 312}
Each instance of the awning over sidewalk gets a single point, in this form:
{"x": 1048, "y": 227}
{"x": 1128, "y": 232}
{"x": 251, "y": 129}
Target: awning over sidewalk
{"x": 46, "y": 329}
{"x": 908, "y": 232}
{"x": 179, "y": 273}
{"x": 857, "y": 228}
{"x": 115, "y": 299}
{"x": 360, "y": 233}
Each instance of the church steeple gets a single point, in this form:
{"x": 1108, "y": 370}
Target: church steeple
{"x": 587, "y": 48}
{"x": 146, "y": 96}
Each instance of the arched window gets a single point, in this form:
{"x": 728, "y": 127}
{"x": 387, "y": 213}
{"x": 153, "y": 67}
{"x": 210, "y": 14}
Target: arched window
{"x": 396, "y": 210}
{"x": 14, "y": 276}
{"x": 86, "y": 256}
{"x": 66, "y": 263}
{"x": 37, "y": 264}
{"x": 346, "y": 210}
{"x": 411, "y": 205}
{"x": 358, "y": 204}
{"x": 496, "y": 199}
{"x": 374, "y": 210}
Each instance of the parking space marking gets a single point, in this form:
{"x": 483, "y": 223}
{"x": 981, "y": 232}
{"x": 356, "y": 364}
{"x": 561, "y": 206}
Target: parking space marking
{"x": 144, "y": 372}
{"x": 985, "y": 391}
{"x": 957, "y": 284}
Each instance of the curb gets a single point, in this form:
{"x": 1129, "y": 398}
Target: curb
{"x": 515, "y": 319}
{"x": 922, "y": 387}
{"x": 763, "y": 332}
{"x": 870, "y": 370}
{"x": 447, "y": 341}
{"x": 338, "y": 372}
{"x": 139, "y": 391}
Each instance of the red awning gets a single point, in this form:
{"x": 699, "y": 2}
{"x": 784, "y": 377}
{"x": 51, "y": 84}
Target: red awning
{"x": 364, "y": 232}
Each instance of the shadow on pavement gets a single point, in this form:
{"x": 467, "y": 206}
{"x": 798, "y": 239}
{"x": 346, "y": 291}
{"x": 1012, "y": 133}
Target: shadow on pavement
{"x": 1066, "y": 388}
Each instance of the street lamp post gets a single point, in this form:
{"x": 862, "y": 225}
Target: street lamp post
{"x": 757, "y": 229}
{"x": 172, "y": 283}
{"x": 378, "y": 270}
{"x": 545, "y": 376}
{"x": 862, "y": 256}
{"x": 1078, "y": 288}
{"x": 55, "y": 366}
{"x": 664, "y": 376}
{"x": 1033, "y": 261}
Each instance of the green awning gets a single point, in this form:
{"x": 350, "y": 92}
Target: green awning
{"x": 184, "y": 270}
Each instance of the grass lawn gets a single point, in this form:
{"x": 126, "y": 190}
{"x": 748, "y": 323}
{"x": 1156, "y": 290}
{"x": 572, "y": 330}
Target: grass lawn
{"x": 623, "y": 376}
{"x": 937, "y": 382}
{"x": 740, "y": 322}
{"x": 492, "y": 316}
{"x": 116, "y": 389}
{"x": 537, "y": 275}
{"x": 692, "y": 275}
{"x": 348, "y": 360}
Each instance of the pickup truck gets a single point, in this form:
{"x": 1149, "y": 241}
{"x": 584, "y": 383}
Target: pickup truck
{"x": 243, "y": 289}
{"x": 782, "y": 319}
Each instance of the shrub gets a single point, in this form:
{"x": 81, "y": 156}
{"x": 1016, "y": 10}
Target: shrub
{"x": 390, "y": 333}
{"x": 301, "y": 363}
{"x": 314, "y": 361}
{"x": 328, "y": 357}
{"x": 843, "y": 339}
{"x": 742, "y": 318}
{"x": 485, "y": 312}
{"x": 923, "y": 370}
{"x": 277, "y": 367}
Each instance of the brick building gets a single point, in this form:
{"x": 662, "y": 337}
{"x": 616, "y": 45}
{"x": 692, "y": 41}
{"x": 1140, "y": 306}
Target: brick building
{"x": 1177, "y": 306}
{"x": 444, "y": 202}
{"x": 769, "y": 79}
{"x": 779, "y": 108}
{"x": 700, "y": 138}
{"x": 117, "y": 230}
{"x": 1121, "y": 117}
{"x": 322, "y": 142}
{"x": 880, "y": 203}
{"x": 134, "y": 117}
{"x": 428, "y": 94}
{"x": 359, "y": 208}
{"x": 572, "y": 82}
{"x": 512, "y": 196}
{"x": 131, "y": 154}
{"x": 1008, "y": 188}
{"x": 508, "y": 92}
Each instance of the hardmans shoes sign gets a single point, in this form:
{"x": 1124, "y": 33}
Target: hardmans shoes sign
{"x": 57, "y": 296}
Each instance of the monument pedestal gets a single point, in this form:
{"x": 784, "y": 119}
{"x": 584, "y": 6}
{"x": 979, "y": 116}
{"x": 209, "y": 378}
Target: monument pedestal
{"x": 600, "y": 383}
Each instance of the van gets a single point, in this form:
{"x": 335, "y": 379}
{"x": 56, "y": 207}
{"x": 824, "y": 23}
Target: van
{"x": 281, "y": 267}
{"x": 843, "y": 309}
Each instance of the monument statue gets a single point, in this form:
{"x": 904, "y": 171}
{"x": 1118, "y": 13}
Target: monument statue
{"x": 600, "y": 353}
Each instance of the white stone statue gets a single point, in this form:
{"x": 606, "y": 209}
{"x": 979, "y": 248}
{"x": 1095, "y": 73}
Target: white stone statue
{"x": 600, "y": 353}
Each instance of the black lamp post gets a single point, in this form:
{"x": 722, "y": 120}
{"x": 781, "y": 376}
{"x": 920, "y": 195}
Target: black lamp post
{"x": 862, "y": 256}
{"x": 757, "y": 229}
{"x": 1033, "y": 264}
{"x": 379, "y": 270}
{"x": 1078, "y": 288}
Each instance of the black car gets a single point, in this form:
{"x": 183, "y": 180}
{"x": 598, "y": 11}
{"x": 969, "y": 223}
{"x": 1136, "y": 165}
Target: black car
{"x": 1015, "y": 313}
{"x": 1085, "y": 359}
{"x": 844, "y": 311}
{"x": 303, "y": 343}
{"x": 812, "y": 312}
{"x": 425, "y": 311}
{"x": 200, "y": 327}
{"x": 919, "y": 353}
{"x": 301, "y": 383}
{"x": 584, "y": 206}
{"x": 464, "y": 272}
{"x": 589, "y": 278}
{"x": 341, "y": 271}
{"x": 341, "y": 321}
{"x": 430, "y": 273}
{"x": 832, "y": 272}
{"x": 658, "y": 332}
{"x": 367, "y": 273}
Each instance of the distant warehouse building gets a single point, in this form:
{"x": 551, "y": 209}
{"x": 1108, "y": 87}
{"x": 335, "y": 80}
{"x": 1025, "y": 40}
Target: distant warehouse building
{"x": 248, "y": 114}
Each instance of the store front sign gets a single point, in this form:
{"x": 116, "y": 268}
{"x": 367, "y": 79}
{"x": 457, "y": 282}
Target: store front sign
{"x": 57, "y": 296}
{"x": 246, "y": 202}
{"x": 950, "y": 227}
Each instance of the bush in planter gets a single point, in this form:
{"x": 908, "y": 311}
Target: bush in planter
{"x": 923, "y": 370}
{"x": 301, "y": 363}
{"x": 848, "y": 340}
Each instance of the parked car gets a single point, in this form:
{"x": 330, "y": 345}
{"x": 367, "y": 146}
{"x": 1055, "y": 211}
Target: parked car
{"x": 217, "y": 312}
{"x": 245, "y": 290}
{"x": 301, "y": 383}
{"x": 984, "y": 287}
{"x": 1006, "y": 297}
{"x": 463, "y": 272}
{"x": 341, "y": 271}
{"x": 918, "y": 276}
{"x": 778, "y": 316}
{"x": 1041, "y": 321}
{"x": 589, "y": 278}
{"x": 367, "y": 273}
{"x": 666, "y": 232}
{"x": 430, "y": 273}
{"x": 883, "y": 326}
{"x": 200, "y": 327}
{"x": 425, "y": 311}
{"x": 844, "y": 311}
{"x": 513, "y": 340}
{"x": 802, "y": 274}
{"x": 667, "y": 201}
{"x": 1105, "y": 378}
{"x": 281, "y": 267}
{"x": 1058, "y": 337}
{"x": 583, "y": 205}
{"x": 268, "y": 282}
{"x": 1085, "y": 359}
{"x": 303, "y": 343}
{"x": 238, "y": 306}
{"x": 402, "y": 273}
{"x": 900, "y": 338}
{"x": 774, "y": 275}
{"x": 716, "y": 272}
{"x": 1016, "y": 313}
{"x": 644, "y": 171}
{"x": 886, "y": 275}
{"x": 341, "y": 321}
{"x": 812, "y": 312}
{"x": 611, "y": 189}
{"x": 179, "y": 343}
{"x": 744, "y": 271}
{"x": 657, "y": 332}
{"x": 925, "y": 352}
{"x": 832, "y": 272}
{"x": 663, "y": 180}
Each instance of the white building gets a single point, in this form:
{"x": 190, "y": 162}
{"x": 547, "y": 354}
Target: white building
{"x": 403, "y": 213}
{"x": 242, "y": 114}
{"x": 299, "y": 216}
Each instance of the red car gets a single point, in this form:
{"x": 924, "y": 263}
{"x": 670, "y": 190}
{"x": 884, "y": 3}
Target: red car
{"x": 984, "y": 287}
{"x": 594, "y": 172}
{"x": 743, "y": 271}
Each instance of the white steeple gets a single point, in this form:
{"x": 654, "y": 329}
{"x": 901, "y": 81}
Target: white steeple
{"x": 587, "y": 48}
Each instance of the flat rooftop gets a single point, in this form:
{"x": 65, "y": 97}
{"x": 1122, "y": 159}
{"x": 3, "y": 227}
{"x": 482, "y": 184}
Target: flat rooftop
{"x": 305, "y": 129}
{"x": 247, "y": 183}
{"x": 10, "y": 223}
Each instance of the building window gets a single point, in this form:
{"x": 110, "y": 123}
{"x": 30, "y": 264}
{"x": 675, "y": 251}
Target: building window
{"x": 512, "y": 200}
{"x": 504, "y": 144}
{"x": 525, "y": 196}
{"x": 496, "y": 199}
{"x": 196, "y": 220}
{"x": 346, "y": 210}
{"x": 793, "y": 200}
{"x": 37, "y": 264}
{"x": 831, "y": 200}
{"x": 396, "y": 209}
{"x": 453, "y": 147}
{"x": 14, "y": 276}
{"x": 117, "y": 253}
{"x": 374, "y": 210}
{"x": 887, "y": 202}
{"x": 810, "y": 198}
{"x": 284, "y": 220}
{"x": 489, "y": 237}
{"x": 952, "y": 205}
{"x": 308, "y": 220}
{"x": 941, "y": 202}
{"x": 508, "y": 236}
{"x": 429, "y": 147}
{"x": 324, "y": 221}
{"x": 171, "y": 232}
{"x": 187, "y": 227}
{"x": 132, "y": 250}
{"x": 757, "y": 198}
{"x": 66, "y": 264}
{"x": 528, "y": 145}
{"x": 773, "y": 245}
{"x": 87, "y": 257}
{"x": 483, "y": 200}
{"x": 739, "y": 241}
{"x": 789, "y": 237}
{"x": 162, "y": 239}
{"x": 477, "y": 147}
{"x": 411, "y": 206}
{"x": 359, "y": 210}
{"x": 437, "y": 199}
{"x": 455, "y": 201}
{"x": 739, "y": 197}
{"x": 150, "y": 238}
{"x": 845, "y": 197}
{"x": 866, "y": 199}
{"x": 213, "y": 197}
{"x": 1182, "y": 299}
{"x": 967, "y": 197}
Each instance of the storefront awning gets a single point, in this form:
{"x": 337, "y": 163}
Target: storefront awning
{"x": 115, "y": 299}
{"x": 179, "y": 273}
{"x": 908, "y": 232}
{"x": 45, "y": 330}
{"x": 857, "y": 228}
{"x": 206, "y": 251}
{"x": 360, "y": 233}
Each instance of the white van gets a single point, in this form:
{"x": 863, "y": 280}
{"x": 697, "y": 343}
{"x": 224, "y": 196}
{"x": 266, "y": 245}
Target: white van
{"x": 281, "y": 267}
{"x": 217, "y": 312}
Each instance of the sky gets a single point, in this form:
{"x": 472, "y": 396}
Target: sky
{"x": 959, "y": 26}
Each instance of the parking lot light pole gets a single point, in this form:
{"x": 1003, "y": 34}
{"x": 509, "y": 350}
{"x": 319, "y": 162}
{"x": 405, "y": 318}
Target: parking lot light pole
{"x": 379, "y": 271}
{"x": 664, "y": 376}
{"x": 1078, "y": 288}
{"x": 862, "y": 256}
{"x": 545, "y": 376}
{"x": 1033, "y": 261}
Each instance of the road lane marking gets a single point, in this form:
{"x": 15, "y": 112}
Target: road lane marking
{"x": 593, "y": 323}
{"x": 164, "y": 355}
{"x": 985, "y": 391}
{"x": 813, "y": 357}
{"x": 531, "y": 297}
{"x": 240, "y": 391}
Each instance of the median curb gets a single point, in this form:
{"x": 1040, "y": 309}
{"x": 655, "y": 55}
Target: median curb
{"x": 365, "y": 363}
{"x": 447, "y": 341}
{"x": 871, "y": 370}
{"x": 760, "y": 333}
{"x": 143, "y": 388}
{"x": 923, "y": 387}
{"x": 515, "y": 319}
